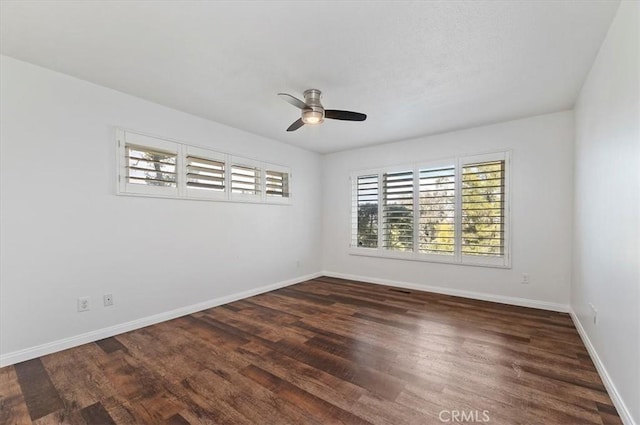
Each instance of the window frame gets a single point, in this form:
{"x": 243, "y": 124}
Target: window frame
{"x": 458, "y": 258}
{"x": 125, "y": 138}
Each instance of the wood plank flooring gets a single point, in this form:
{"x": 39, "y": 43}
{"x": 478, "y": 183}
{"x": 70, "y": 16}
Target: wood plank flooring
{"x": 326, "y": 351}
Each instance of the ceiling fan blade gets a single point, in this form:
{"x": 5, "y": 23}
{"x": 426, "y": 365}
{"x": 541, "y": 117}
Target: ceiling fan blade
{"x": 296, "y": 125}
{"x": 293, "y": 100}
{"x": 335, "y": 114}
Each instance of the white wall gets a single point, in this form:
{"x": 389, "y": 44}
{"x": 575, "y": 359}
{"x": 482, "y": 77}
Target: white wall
{"x": 66, "y": 234}
{"x": 541, "y": 205}
{"x": 607, "y": 188}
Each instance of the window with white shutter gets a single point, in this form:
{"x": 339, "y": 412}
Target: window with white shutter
{"x": 365, "y": 200}
{"x": 277, "y": 184}
{"x": 436, "y": 234}
{"x": 453, "y": 211}
{"x": 483, "y": 209}
{"x": 397, "y": 210}
{"x": 151, "y": 167}
{"x": 246, "y": 180}
{"x": 205, "y": 173}
{"x": 148, "y": 165}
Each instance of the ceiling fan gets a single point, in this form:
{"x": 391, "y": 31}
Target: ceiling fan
{"x": 314, "y": 113}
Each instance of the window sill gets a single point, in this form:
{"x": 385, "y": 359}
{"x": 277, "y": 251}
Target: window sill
{"x": 207, "y": 199}
{"x": 491, "y": 262}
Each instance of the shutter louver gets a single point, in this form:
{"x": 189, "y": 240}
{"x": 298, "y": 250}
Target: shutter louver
{"x": 366, "y": 200}
{"x": 150, "y": 167}
{"x": 483, "y": 216}
{"x": 245, "y": 180}
{"x": 397, "y": 211}
{"x": 437, "y": 211}
{"x": 205, "y": 174}
{"x": 277, "y": 184}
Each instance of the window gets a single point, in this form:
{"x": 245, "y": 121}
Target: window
{"x": 452, "y": 211}
{"x": 246, "y": 180}
{"x": 366, "y": 206}
{"x": 483, "y": 208}
{"x": 436, "y": 234}
{"x": 149, "y": 166}
{"x": 397, "y": 210}
{"x": 205, "y": 173}
{"x": 277, "y": 183}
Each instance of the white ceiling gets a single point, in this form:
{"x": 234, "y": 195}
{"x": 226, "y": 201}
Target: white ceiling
{"x": 415, "y": 68}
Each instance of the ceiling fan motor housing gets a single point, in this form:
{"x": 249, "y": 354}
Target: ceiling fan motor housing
{"x": 314, "y": 114}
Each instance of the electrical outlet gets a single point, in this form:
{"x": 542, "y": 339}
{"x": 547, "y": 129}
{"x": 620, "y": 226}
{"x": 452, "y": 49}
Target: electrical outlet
{"x": 297, "y": 264}
{"x": 83, "y": 304}
{"x": 525, "y": 279}
{"x": 107, "y": 299}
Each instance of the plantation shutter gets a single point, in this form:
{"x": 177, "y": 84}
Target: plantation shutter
{"x": 397, "y": 210}
{"x": 483, "y": 209}
{"x": 245, "y": 180}
{"x": 205, "y": 174}
{"x": 366, "y": 211}
{"x": 277, "y": 183}
{"x": 150, "y": 166}
{"x": 447, "y": 211}
{"x": 147, "y": 166}
{"x": 436, "y": 233}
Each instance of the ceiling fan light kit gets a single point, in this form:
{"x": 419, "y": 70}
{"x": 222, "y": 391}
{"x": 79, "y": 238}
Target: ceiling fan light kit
{"x": 312, "y": 117}
{"x": 314, "y": 113}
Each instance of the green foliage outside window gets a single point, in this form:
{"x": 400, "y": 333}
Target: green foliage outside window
{"x": 368, "y": 225}
{"x": 481, "y": 205}
{"x": 483, "y": 209}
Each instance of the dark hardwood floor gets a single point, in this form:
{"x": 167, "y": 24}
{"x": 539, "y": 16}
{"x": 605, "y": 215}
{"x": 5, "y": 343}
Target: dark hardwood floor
{"x": 326, "y": 351}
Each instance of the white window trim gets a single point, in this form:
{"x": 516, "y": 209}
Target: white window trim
{"x": 458, "y": 258}
{"x": 123, "y": 188}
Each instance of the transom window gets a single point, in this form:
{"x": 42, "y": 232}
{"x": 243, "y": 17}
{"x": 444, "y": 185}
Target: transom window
{"x": 277, "y": 183}
{"x": 150, "y": 166}
{"x": 206, "y": 174}
{"x": 245, "y": 179}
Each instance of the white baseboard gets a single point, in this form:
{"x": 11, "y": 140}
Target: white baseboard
{"x": 74, "y": 341}
{"x": 623, "y": 411}
{"x": 523, "y": 302}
